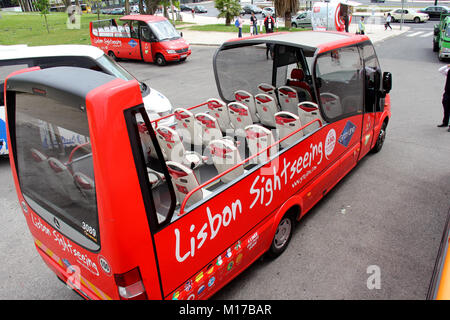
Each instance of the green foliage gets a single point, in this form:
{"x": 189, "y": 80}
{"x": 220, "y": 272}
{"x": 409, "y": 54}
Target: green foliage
{"x": 228, "y": 9}
{"x": 44, "y": 7}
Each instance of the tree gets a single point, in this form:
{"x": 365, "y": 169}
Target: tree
{"x": 286, "y": 8}
{"x": 44, "y": 7}
{"x": 228, "y": 9}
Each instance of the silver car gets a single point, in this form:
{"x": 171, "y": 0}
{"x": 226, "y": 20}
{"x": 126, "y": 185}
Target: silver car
{"x": 302, "y": 19}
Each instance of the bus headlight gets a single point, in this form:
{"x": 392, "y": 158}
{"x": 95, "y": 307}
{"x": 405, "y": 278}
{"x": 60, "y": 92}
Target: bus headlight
{"x": 171, "y": 51}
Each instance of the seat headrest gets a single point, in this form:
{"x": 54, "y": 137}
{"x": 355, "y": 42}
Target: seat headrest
{"x": 297, "y": 74}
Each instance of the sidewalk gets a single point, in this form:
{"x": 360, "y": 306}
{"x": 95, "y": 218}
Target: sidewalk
{"x": 375, "y": 32}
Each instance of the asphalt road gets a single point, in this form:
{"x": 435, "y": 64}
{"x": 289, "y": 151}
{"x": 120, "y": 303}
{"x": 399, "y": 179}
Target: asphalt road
{"x": 388, "y": 213}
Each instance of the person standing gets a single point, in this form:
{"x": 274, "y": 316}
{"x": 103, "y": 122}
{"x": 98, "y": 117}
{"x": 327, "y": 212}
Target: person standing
{"x": 361, "y": 26}
{"x": 446, "y": 97}
{"x": 346, "y": 21}
{"x": 388, "y": 22}
{"x": 254, "y": 22}
{"x": 239, "y": 24}
{"x": 269, "y": 23}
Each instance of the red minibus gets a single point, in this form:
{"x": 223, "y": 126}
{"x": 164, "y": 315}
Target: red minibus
{"x": 141, "y": 37}
{"x": 176, "y": 213}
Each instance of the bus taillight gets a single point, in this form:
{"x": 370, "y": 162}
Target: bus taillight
{"x": 130, "y": 285}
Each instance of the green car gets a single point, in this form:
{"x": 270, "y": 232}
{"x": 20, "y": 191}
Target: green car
{"x": 441, "y": 39}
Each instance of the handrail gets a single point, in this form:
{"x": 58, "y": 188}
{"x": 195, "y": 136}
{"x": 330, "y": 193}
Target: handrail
{"x": 183, "y": 204}
{"x": 172, "y": 114}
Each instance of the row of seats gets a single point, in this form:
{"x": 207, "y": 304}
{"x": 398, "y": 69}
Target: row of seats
{"x": 112, "y": 31}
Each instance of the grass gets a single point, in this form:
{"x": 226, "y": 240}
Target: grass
{"x": 29, "y": 28}
{"x": 232, "y": 28}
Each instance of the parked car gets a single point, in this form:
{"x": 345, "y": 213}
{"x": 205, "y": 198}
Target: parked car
{"x": 117, "y": 11}
{"x": 441, "y": 39}
{"x": 251, "y": 8}
{"x": 200, "y": 9}
{"x": 184, "y": 7}
{"x": 302, "y": 19}
{"x": 408, "y": 15}
{"x": 435, "y": 11}
{"x": 268, "y": 11}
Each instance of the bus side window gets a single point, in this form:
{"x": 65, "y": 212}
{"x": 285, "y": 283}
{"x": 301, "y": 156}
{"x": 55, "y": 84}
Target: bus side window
{"x": 146, "y": 34}
{"x": 372, "y": 77}
{"x": 339, "y": 73}
{"x": 151, "y": 167}
{"x": 134, "y": 29}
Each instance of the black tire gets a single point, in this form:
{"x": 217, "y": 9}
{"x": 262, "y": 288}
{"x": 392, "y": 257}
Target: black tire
{"x": 159, "y": 59}
{"x": 435, "y": 46}
{"x": 417, "y": 20}
{"x": 282, "y": 236}
{"x": 380, "y": 140}
{"x": 112, "y": 55}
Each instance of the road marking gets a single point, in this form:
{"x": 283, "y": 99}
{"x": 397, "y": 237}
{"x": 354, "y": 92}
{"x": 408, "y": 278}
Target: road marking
{"x": 414, "y": 34}
{"x": 426, "y": 34}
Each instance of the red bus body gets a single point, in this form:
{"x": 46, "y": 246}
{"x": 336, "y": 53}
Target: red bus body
{"x": 201, "y": 245}
{"x": 139, "y": 37}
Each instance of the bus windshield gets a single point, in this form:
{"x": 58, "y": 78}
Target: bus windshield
{"x": 164, "y": 30}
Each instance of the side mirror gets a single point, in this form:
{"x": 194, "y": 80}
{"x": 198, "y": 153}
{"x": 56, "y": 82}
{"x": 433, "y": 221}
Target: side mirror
{"x": 387, "y": 82}
{"x": 436, "y": 30}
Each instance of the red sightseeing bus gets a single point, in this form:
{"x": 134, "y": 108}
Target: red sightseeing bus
{"x": 141, "y": 37}
{"x": 176, "y": 213}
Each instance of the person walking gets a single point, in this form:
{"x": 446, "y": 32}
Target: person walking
{"x": 361, "y": 26}
{"x": 346, "y": 21}
{"x": 446, "y": 97}
{"x": 388, "y": 22}
{"x": 254, "y": 23}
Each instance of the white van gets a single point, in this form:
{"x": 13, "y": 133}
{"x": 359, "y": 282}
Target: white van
{"x": 13, "y": 58}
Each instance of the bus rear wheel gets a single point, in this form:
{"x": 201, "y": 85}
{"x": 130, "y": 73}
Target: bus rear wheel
{"x": 282, "y": 236}
{"x": 112, "y": 55}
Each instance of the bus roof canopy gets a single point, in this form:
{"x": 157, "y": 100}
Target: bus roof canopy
{"x": 309, "y": 41}
{"x": 143, "y": 18}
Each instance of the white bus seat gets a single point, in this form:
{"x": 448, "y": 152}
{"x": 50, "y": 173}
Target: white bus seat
{"x": 266, "y": 107}
{"x": 210, "y": 127}
{"x": 184, "y": 181}
{"x": 269, "y": 90}
{"x": 85, "y": 184}
{"x": 189, "y": 128}
{"x": 63, "y": 179}
{"x": 155, "y": 178}
{"x": 288, "y": 98}
{"x": 240, "y": 117}
{"x": 225, "y": 155}
{"x": 146, "y": 141}
{"x": 331, "y": 104}
{"x": 287, "y": 123}
{"x": 309, "y": 111}
{"x": 174, "y": 150}
{"x": 259, "y": 138}
{"x": 220, "y": 111}
{"x": 248, "y": 100}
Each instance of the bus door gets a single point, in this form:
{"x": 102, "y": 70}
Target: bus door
{"x": 372, "y": 80}
{"x": 131, "y": 49}
{"x": 146, "y": 39}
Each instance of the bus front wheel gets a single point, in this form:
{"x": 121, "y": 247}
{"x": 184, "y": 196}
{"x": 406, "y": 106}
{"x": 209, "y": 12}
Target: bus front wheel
{"x": 112, "y": 55}
{"x": 159, "y": 59}
{"x": 283, "y": 235}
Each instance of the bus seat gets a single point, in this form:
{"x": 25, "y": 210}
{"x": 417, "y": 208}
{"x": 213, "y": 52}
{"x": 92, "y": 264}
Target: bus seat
{"x": 225, "y": 155}
{"x": 259, "y": 138}
{"x": 298, "y": 79}
{"x": 331, "y": 104}
{"x": 266, "y": 107}
{"x": 269, "y": 90}
{"x": 248, "y": 100}
{"x": 189, "y": 128}
{"x": 184, "y": 181}
{"x": 85, "y": 184}
{"x": 288, "y": 98}
{"x": 210, "y": 127}
{"x": 240, "y": 117}
{"x": 174, "y": 150}
{"x": 309, "y": 111}
{"x": 63, "y": 179}
{"x": 220, "y": 111}
{"x": 287, "y": 123}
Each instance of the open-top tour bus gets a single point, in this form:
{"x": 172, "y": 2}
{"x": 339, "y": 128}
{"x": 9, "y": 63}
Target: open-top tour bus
{"x": 177, "y": 213}
{"x": 142, "y": 37}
